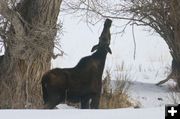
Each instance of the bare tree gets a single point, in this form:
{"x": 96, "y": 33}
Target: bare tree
{"x": 28, "y": 31}
{"x": 162, "y": 16}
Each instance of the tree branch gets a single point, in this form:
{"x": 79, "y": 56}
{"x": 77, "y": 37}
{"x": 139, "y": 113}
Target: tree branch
{"x": 13, "y": 17}
{"x": 134, "y": 41}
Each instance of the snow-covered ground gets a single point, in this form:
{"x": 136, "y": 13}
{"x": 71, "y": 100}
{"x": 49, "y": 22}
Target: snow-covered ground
{"x": 147, "y": 113}
{"x": 144, "y": 90}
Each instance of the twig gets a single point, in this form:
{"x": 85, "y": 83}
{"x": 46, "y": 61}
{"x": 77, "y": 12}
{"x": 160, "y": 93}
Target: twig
{"x": 134, "y": 41}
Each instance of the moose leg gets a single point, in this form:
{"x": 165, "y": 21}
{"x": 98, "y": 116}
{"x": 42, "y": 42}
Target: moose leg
{"x": 95, "y": 102}
{"x": 85, "y": 102}
{"x": 53, "y": 100}
{"x": 49, "y": 105}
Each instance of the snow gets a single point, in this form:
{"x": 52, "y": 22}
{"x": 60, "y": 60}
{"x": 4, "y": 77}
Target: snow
{"x": 150, "y": 95}
{"x": 148, "y": 113}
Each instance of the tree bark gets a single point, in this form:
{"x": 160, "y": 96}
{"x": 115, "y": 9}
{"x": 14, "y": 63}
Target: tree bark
{"x": 28, "y": 50}
{"x": 170, "y": 31}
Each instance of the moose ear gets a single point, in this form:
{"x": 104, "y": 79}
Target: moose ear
{"x": 94, "y": 48}
{"x": 109, "y": 50}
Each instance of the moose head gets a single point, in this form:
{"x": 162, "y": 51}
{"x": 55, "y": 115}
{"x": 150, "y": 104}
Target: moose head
{"x": 105, "y": 38}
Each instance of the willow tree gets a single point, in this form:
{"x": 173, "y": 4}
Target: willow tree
{"x": 27, "y": 29}
{"x": 162, "y": 16}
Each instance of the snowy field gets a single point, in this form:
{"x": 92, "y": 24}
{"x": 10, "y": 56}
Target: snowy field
{"x": 149, "y": 67}
{"x": 147, "y": 113}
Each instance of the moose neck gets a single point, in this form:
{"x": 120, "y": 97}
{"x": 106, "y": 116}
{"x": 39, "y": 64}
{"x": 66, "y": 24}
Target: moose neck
{"x": 100, "y": 55}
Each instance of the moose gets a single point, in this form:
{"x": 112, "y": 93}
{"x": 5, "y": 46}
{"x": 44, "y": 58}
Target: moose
{"x": 82, "y": 83}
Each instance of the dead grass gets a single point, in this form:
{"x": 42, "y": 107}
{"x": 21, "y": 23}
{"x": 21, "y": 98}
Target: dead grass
{"x": 174, "y": 95}
{"x": 116, "y": 97}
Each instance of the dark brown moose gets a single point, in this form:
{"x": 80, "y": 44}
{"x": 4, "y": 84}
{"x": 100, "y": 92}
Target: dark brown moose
{"x": 83, "y": 82}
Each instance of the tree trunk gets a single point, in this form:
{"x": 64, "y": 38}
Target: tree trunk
{"x": 175, "y": 52}
{"x": 28, "y": 51}
{"x": 172, "y": 37}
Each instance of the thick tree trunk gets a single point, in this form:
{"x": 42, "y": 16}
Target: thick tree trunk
{"x": 175, "y": 52}
{"x": 169, "y": 29}
{"x": 173, "y": 38}
{"x": 28, "y": 52}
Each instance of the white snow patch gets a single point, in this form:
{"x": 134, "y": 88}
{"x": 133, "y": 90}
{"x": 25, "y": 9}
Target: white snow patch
{"x": 148, "y": 113}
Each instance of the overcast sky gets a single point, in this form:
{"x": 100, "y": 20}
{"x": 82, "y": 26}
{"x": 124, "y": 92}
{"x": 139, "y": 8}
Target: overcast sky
{"x": 78, "y": 39}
